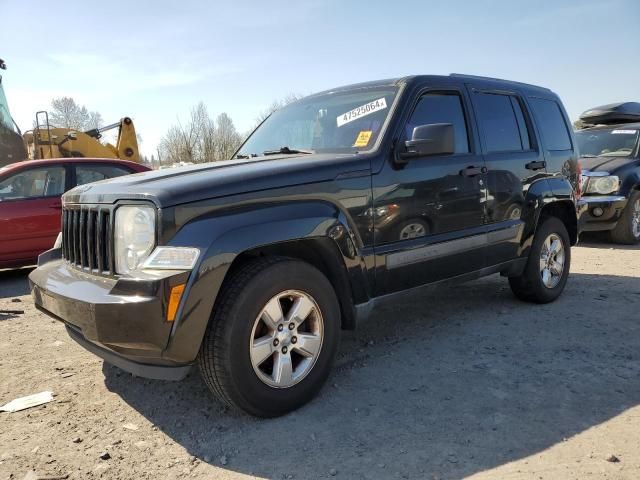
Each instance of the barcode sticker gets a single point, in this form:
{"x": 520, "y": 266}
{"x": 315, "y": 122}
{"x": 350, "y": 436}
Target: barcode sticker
{"x": 361, "y": 111}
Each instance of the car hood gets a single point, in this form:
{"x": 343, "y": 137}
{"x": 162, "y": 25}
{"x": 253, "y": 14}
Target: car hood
{"x": 192, "y": 183}
{"x": 604, "y": 164}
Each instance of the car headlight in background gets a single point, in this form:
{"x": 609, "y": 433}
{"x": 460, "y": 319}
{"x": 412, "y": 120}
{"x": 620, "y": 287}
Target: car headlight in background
{"x": 603, "y": 185}
{"x": 381, "y": 212}
{"x": 135, "y": 236}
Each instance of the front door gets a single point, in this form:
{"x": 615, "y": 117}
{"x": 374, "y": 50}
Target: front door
{"x": 428, "y": 214}
{"x": 30, "y": 211}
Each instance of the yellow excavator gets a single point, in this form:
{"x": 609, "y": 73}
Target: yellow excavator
{"x": 45, "y": 141}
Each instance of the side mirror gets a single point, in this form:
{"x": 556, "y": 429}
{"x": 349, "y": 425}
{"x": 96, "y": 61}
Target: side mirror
{"x": 431, "y": 139}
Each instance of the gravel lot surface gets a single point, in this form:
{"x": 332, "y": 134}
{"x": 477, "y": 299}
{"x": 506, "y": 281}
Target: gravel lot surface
{"x": 463, "y": 382}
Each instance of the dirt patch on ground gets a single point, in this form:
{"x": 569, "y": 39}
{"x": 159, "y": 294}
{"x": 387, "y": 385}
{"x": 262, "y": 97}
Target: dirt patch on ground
{"x": 465, "y": 381}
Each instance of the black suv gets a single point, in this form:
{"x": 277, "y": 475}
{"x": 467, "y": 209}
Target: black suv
{"x": 335, "y": 203}
{"x": 610, "y": 157}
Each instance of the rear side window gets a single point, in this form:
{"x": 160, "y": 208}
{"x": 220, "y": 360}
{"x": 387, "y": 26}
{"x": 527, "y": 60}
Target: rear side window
{"x": 441, "y": 107}
{"x": 502, "y": 122}
{"x": 93, "y": 173}
{"x": 552, "y": 125}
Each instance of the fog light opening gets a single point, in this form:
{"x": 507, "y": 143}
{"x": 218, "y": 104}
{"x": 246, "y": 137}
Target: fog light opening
{"x": 174, "y": 301}
{"x": 597, "y": 212}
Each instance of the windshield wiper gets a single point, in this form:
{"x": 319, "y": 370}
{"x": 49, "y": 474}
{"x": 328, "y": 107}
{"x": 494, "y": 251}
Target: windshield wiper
{"x": 286, "y": 151}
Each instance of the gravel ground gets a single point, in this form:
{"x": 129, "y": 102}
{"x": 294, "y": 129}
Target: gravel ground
{"x": 463, "y": 382}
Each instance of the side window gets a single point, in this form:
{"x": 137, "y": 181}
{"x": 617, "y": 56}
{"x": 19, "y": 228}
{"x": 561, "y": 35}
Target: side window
{"x": 441, "y": 107}
{"x": 552, "y": 125}
{"x": 502, "y": 122}
{"x": 93, "y": 173}
{"x": 35, "y": 183}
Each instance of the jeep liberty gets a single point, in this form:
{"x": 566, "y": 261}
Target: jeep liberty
{"x": 336, "y": 203}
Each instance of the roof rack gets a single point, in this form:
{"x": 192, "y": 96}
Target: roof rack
{"x": 480, "y": 77}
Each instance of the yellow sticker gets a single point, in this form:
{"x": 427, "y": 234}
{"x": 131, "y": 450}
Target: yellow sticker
{"x": 363, "y": 138}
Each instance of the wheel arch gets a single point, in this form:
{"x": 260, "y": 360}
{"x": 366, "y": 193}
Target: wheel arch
{"x": 315, "y": 232}
{"x": 322, "y": 253}
{"x": 564, "y": 210}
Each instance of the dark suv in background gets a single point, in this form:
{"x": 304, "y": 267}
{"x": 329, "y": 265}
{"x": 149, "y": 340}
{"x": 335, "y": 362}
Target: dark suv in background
{"x": 335, "y": 203}
{"x": 610, "y": 156}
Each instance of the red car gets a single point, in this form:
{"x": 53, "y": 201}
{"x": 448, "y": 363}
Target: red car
{"x": 30, "y": 206}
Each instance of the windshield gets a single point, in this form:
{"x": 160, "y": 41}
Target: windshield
{"x": 343, "y": 122}
{"x": 618, "y": 142}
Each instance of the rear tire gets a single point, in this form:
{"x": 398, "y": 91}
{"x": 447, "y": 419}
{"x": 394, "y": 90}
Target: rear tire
{"x": 253, "y": 356}
{"x": 542, "y": 281}
{"x": 627, "y": 230}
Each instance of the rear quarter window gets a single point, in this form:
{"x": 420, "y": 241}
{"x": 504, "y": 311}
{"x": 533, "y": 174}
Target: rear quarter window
{"x": 93, "y": 173}
{"x": 555, "y": 133}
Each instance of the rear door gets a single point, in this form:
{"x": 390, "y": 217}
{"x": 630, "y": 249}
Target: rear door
{"x": 30, "y": 211}
{"x": 93, "y": 172}
{"x": 513, "y": 160}
{"x": 556, "y": 135}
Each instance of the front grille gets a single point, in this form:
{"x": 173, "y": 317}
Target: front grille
{"x": 86, "y": 237}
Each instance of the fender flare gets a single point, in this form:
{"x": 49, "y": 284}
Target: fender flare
{"x": 542, "y": 195}
{"x": 630, "y": 183}
{"x": 223, "y": 237}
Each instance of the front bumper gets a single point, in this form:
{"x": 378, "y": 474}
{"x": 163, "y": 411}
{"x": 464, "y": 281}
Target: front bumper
{"x": 611, "y": 207}
{"x": 122, "y": 320}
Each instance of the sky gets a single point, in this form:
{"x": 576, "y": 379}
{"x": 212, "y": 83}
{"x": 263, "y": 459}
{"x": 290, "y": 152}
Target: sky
{"x": 154, "y": 60}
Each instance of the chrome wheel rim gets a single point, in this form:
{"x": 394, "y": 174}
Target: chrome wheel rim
{"x": 635, "y": 219}
{"x": 286, "y": 339}
{"x": 413, "y": 230}
{"x": 552, "y": 260}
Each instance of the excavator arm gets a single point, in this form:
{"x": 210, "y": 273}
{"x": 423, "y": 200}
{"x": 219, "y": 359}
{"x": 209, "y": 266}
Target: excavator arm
{"x": 51, "y": 142}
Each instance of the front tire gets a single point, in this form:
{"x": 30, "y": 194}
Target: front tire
{"x": 272, "y": 338}
{"x": 627, "y": 230}
{"x": 547, "y": 269}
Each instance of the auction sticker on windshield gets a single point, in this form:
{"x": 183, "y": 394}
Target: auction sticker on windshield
{"x": 361, "y": 111}
{"x": 363, "y": 138}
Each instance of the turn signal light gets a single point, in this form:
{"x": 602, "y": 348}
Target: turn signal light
{"x": 174, "y": 301}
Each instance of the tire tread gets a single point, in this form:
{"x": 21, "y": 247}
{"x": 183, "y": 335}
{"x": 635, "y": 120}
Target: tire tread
{"x": 214, "y": 345}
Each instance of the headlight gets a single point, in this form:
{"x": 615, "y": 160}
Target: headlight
{"x": 172, "y": 258}
{"x": 603, "y": 185}
{"x": 135, "y": 236}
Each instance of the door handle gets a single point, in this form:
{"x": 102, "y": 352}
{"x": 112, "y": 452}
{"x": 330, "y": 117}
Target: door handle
{"x": 472, "y": 171}
{"x": 537, "y": 165}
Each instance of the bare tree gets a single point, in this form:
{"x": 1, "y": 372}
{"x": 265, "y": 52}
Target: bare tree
{"x": 579, "y": 125}
{"x": 66, "y": 113}
{"x": 201, "y": 139}
{"x": 227, "y": 138}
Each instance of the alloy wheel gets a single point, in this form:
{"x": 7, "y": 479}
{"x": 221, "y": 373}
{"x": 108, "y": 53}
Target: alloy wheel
{"x": 552, "y": 260}
{"x": 286, "y": 339}
{"x": 635, "y": 219}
